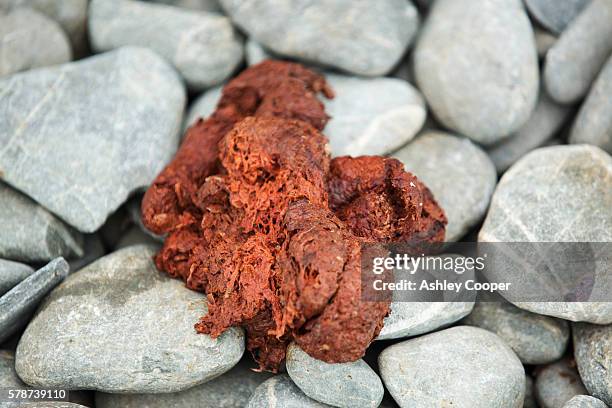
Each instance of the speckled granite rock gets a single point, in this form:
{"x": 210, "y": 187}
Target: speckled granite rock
{"x": 11, "y": 273}
{"x": 476, "y": 64}
{"x": 349, "y": 385}
{"x": 202, "y": 46}
{"x": 127, "y": 104}
{"x": 554, "y": 14}
{"x": 391, "y": 26}
{"x": 585, "y": 401}
{"x": 280, "y": 391}
{"x": 119, "y": 325}
{"x": 557, "y": 383}
{"x": 593, "y": 352}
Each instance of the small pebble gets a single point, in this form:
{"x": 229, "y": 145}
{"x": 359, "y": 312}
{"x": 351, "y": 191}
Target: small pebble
{"x": 554, "y": 14}
{"x": 593, "y": 353}
{"x": 255, "y": 52}
{"x": 203, "y": 106}
{"x": 557, "y": 383}
{"x": 279, "y": 391}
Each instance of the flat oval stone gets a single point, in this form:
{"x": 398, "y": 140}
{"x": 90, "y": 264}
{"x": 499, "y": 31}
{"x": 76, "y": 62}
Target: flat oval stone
{"x": 585, "y": 401}
{"x": 11, "y": 273}
{"x": 202, "y": 46}
{"x": 578, "y": 55}
{"x": 127, "y": 103}
{"x": 554, "y": 14}
{"x": 30, "y": 233}
{"x": 462, "y": 366}
{"x": 593, "y": 353}
{"x": 593, "y": 124}
{"x": 350, "y": 385}
{"x": 460, "y": 175}
{"x": 280, "y": 391}
{"x": 119, "y": 325}
{"x": 557, "y": 383}
{"x": 358, "y": 36}
{"x": 476, "y": 64}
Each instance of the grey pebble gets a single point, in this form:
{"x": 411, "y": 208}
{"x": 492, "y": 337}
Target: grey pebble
{"x": 545, "y": 120}
{"x": 530, "y": 399}
{"x": 476, "y": 64}
{"x": 557, "y": 383}
{"x": 593, "y": 353}
{"x": 230, "y": 390}
{"x": 358, "y": 36}
{"x": 255, "y": 52}
{"x": 578, "y": 55}
{"x": 345, "y": 385}
{"x": 119, "y": 325}
{"x": 18, "y": 303}
{"x": 554, "y": 14}
{"x": 127, "y": 103}
{"x": 29, "y": 40}
{"x": 30, "y": 233}
{"x": 585, "y": 401}
{"x": 280, "y": 391}
{"x": 459, "y": 173}
{"x": 526, "y": 207}
{"x": 11, "y": 273}
{"x": 593, "y": 124}
{"x": 203, "y": 106}
{"x": 202, "y": 46}
{"x": 461, "y": 367}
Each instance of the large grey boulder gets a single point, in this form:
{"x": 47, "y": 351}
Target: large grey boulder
{"x": 554, "y": 14}
{"x": 11, "y": 273}
{"x": 593, "y": 124}
{"x": 458, "y": 172}
{"x": 119, "y": 325}
{"x": 593, "y": 353}
{"x": 476, "y": 64}
{"x": 349, "y": 385}
{"x": 202, "y": 46}
{"x": 360, "y": 36}
{"x": 557, "y": 383}
{"x": 91, "y": 131}
{"x": 574, "y": 61}
{"x": 461, "y": 367}
{"x": 280, "y": 391}
{"x": 30, "y": 40}
{"x": 30, "y": 233}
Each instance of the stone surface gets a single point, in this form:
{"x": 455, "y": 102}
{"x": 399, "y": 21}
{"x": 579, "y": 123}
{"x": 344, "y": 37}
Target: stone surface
{"x": 203, "y": 106}
{"x": 460, "y": 367}
{"x": 476, "y": 64}
{"x": 18, "y": 303}
{"x": 557, "y": 383}
{"x": 554, "y": 14}
{"x": 29, "y": 40}
{"x": 459, "y": 173}
{"x": 255, "y": 53}
{"x": 578, "y": 55}
{"x": 372, "y": 116}
{"x": 530, "y": 399}
{"x": 280, "y": 391}
{"x": 119, "y": 325}
{"x": 350, "y": 385}
{"x": 528, "y": 206}
{"x": 93, "y": 248}
{"x": 8, "y": 376}
{"x": 593, "y": 352}
{"x": 358, "y": 36}
{"x": 127, "y": 104}
{"x": 545, "y": 120}
{"x": 206, "y": 5}
{"x": 230, "y": 390}
{"x": 593, "y": 124}
{"x": 30, "y": 233}
{"x": 202, "y": 46}
{"x": 585, "y": 401}
{"x": 11, "y": 273}
{"x": 534, "y": 338}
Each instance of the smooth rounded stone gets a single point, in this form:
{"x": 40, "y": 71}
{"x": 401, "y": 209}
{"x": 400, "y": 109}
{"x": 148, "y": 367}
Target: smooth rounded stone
{"x": 555, "y": 194}
{"x": 557, "y": 383}
{"x": 30, "y": 233}
{"x": 255, "y": 53}
{"x": 554, "y": 14}
{"x": 534, "y": 338}
{"x": 545, "y": 120}
{"x": 350, "y": 385}
{"x": 544, "y": 41}
{"x": 372, "y": 116}
{"x": 459, "y": 173}
{"x": 70, "y": 14}
{"x": 593, "y": 124}
{"x": 578, "y": 55}
{"x": 476, "y": 64}
{"x": 93, "y": 248}
{"x": 30, "y": 40}
{"x": 530, "y": 399}
{"x": 119, "y": 325}
{"x": 230, "y": 390}
{"x": 280, "y": 391}
{"x": 358, "y": 36}
{"x": 593, "y": 353}
{"x": 204, "y": 5}
{"x": 11, "y": 273}
{"x": 585, "y": 401}
{"x": 203, "y": 106}
{"x": 202, "y": 46}
{"x": 461, "y": 367}
{"x": 126, "y": 104}
{"x": 18, "y": 303}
